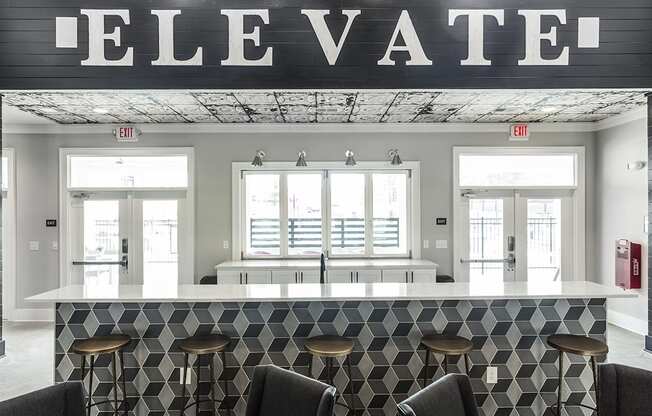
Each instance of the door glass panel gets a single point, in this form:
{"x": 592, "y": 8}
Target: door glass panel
{"x": 160, "y": 250}
{"x": 304, "y": 214}
{"x": 347, "y": 213}
{"x": 486, "y": 236}
{"x": 517, "y": 170}
{"x": 263, "y": 214}
{"x": 544, "y": 240}
{"x": 390, "y": 213}
{"x": 101, "y": 241}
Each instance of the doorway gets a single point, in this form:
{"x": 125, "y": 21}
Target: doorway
{"x": 8, "y": 192}
{"x": 516, "y": 222}
{"x": 133, "y": 222}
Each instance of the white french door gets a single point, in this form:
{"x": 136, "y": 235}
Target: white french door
{"x": 127, "y": 216}
{"x": 516, "y": 235}
{"x": 124, "y": 240}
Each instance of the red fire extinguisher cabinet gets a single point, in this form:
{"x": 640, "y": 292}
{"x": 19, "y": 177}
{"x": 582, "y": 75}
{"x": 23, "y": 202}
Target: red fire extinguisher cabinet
{"x": 628, "y": 264}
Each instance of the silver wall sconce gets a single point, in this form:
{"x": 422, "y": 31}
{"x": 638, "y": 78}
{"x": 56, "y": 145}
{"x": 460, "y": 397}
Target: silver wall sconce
{"x": 637, "y": 165}
{"x": 350, "y": 158}
{"x": 394, "y": 157}
{"x": 258, "y": 159}
{"x": 301, "y": 162}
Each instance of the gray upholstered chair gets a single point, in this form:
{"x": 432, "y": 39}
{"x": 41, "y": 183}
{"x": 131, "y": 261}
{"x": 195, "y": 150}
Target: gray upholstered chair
{"x": 275, "y": 391}
{"x": 624, "y": 391}
{"x": 449, "y": 396}
{"x": 66, "y": 399}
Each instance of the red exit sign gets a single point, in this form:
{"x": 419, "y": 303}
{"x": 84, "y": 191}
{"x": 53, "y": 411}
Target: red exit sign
{"x": 519, "y": 132}
{"x": 126, "y": 134}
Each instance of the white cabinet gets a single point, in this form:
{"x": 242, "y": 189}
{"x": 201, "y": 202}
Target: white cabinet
{"x": 229, "y": 278}
{"x": 256, "y": 277}
{"x": 285, "y": 276}
{"x": 368, "y": 276}
{"x": 395, "y": 276}
{"x": 309, "y": 276}
{"x": 340, "y": 276}
{"x": 424, "y": 276}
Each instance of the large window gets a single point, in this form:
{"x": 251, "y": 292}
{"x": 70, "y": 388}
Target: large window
{"x": 352, "y": 213}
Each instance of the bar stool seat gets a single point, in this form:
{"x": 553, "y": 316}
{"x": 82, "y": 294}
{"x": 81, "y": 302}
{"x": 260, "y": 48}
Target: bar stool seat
{"x": 447, "y": 345}
{"x": 204, "y": 345}
{"x": 100, "y": 345}
{"x": 578, "y": 345}
{"x": 331, "y": 347}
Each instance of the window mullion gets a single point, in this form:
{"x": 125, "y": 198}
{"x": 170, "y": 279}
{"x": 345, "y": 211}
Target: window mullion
{"x": 369, "y": 212}
{"x": 326, "y": 213}
{"x": 283, "y": 191}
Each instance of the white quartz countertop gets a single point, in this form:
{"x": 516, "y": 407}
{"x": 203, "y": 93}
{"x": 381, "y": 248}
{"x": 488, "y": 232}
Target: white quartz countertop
{"x": 329, "y": 292}
{"x": 331, "y": 264}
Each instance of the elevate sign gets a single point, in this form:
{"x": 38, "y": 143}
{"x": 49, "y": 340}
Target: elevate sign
{"x": 408, "y": 44}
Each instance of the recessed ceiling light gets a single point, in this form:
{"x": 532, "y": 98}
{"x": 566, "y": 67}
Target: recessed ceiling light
{"x": 100, "y": 110}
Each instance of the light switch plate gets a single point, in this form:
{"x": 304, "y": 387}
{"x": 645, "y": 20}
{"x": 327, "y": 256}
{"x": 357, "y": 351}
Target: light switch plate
{"x": 34, "y": 246}
{"x": 492, "y": 375}
{"x": 225, "y": 244}
{"x": 426, "y": 243}
{"x": 441, "y": 244}
{"x": 54, "y": 245}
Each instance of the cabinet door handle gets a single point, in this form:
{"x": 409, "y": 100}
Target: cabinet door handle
{"x": 412, "y": 273}
{"x": 301, "y": 277}
{"x": 246, "y": 278}
{"x": 407, "y": 279}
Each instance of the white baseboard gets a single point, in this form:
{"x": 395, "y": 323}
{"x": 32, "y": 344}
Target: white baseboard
{"x": 31, "y": 315}
{"x": 628, "y": 322}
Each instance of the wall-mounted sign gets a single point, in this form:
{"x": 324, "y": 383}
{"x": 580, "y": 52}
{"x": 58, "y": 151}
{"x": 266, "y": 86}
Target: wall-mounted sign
{"x": 126, "y": 134}
{"x": 441, "y": 221}
{"x": 50, "y": 223}
{"x": 519, "y": 132}
{"x": 228, "y": 44}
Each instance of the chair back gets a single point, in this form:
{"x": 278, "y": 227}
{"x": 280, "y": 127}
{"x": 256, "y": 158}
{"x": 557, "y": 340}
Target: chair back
{"x": 275, "y": 392}
{"x": 449, "y": 396}
{"x": 624, "y": 391}
{"x": 65, "y": 399}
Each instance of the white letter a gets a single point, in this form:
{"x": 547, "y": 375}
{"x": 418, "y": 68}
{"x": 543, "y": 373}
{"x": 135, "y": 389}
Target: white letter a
{"x": 412, "y": 43}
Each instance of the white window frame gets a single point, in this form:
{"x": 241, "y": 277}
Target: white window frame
{"x": 186, "y": 236}
{"x": 9, "y": 239}
{"x": 238, "y": 226}
{"x": 573, "y": 259}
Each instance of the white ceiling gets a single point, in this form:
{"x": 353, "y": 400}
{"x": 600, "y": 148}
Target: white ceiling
{"x": 500, "y": 106}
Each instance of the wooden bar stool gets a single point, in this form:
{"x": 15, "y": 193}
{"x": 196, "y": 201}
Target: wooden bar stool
{"x": 200, "y": 346}
{"x": 578, "y": 345}
{"x": 447, "y": 345}
{"x": 331, "y": 347}
{"x": 95, "y": 346}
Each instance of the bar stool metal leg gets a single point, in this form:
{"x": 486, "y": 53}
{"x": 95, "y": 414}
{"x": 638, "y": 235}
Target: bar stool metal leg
{"x": 348, "y": 364}
{"x": 198, "y": 363}
{"x": 310, "y": 365}
{"x": 124, "y": 383}
{"x": 466, "y": 363}
{"x": 114, "y": 359}
{"x": 445, "y": 364}
{"x": 183, "y": 387}
{"x": 90, "y": 387}
{"x": 595, "y": 385}
{"x": 425, "y": 370}
{"x": 560, "y": 380}
{"x": 211, "y": 366}
{"x": 226, "y": 382}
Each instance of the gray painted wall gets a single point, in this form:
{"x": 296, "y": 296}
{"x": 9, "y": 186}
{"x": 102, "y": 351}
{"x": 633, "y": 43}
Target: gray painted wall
{"x": 620, "y": 212}
{"x": 37, "y": 170}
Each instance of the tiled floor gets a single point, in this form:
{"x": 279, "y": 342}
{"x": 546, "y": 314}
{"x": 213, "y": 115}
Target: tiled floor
{"x": 30, "y": 350}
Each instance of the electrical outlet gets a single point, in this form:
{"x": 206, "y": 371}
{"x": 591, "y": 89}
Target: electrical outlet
{"x": 34, "y": 245}
{"x": 492, "y": 375}
{"x": 54, "y": 245}
{"x": 426, "y": 243}
{"x": 225, "y": 244}
{"x": 441, "y": 244}
{"x": 188, "y": 376}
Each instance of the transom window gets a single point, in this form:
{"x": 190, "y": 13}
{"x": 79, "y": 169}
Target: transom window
{"x": 343, "y": 213}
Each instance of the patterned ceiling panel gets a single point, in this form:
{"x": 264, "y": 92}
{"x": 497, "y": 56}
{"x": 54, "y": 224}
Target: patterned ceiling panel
{"x": 327, "y": 106}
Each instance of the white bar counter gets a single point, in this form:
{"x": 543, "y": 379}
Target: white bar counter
{"x": 329, "y": 292}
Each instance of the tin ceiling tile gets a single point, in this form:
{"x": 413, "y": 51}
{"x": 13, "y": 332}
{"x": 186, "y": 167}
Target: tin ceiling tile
{"x": 332, "y": 118}
{"x": 232, "y": 118}
{"x": 267, "y": 99}
{"x": 415, "y": 98}
{"x": 262, "y": 109}
{"x": 398, "y": 118}
{"x": 369, "y": 109}
{"x": 226, "y": 110}
{"x": 215, "y": 98}
{"x": 431, "y": 118}
{"x": 406, "y": 109}
{"x": 299, "y": 118}
{"x": 496, "y": 118}
{"x": 365, "y": 118}
{"x": 192, "y": 109}
{"x": 334, "y": 109}
{"x": 267, "y": 118}
{"x": 201, "y": 118}
{"x": 460, "y": 98}
{"x": 298, "y": 109}
{"x": 154, "y": 109}
{"x": 336, "y": 99}
{"x": 375, "y": 98}
{"x": 168, "y": 118}
{"x": 296, "y": 98}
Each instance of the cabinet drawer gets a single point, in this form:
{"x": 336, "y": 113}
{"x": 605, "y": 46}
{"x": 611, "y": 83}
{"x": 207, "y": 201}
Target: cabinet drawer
{"x": 368, "y": 276}
{"x": 340, "y": 276}
{"x": 309, "y": 276}
{"x": 424, "y": 276}
{"x": 228, "y": 278}
{"x": 284, "y": 276}
{"x": 254, "y": 278}
{"x": 396, "y": 276}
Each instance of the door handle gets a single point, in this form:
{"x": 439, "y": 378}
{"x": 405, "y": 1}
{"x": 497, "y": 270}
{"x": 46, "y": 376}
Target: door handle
{"x": 124, "y": 263}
